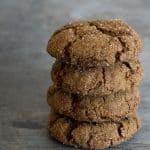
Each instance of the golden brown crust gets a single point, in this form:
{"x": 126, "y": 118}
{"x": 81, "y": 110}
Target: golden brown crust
{"x": 92, "y": 136}
{"x": 93, "y": 109}
{"x": 97, "y": 81}
{"x": 95, "y": 43}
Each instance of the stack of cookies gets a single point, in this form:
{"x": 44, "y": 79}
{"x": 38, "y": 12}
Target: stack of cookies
{"x": 96, "y": 77}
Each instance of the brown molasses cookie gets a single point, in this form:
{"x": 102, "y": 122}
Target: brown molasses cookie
{"x": 97, "y": 81}
{"x": 113, "y": 107}
{"x": 92, "y": 136}
{"x": 95, "y": 43}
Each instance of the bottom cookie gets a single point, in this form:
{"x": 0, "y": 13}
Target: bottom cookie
{"x": 90, "y": 135}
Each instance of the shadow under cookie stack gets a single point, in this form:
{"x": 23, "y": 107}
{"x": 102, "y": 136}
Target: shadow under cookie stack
{"x": 96, "y": 76}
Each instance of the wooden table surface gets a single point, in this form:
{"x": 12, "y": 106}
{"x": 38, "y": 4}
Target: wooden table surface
{"x": 25, "y": 26}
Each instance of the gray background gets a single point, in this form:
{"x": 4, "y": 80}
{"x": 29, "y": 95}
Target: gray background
{"x": 25, "y": 26}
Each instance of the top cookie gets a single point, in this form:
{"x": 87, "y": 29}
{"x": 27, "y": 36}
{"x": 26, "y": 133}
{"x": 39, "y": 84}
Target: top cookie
{"x": 95, "y": 43}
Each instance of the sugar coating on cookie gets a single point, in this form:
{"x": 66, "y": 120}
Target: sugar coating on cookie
{"x": 97, "y": 81}
{"x": 92, "y": 136}
{"x": 113, "y": 107}
{"x": 95, "y": 43}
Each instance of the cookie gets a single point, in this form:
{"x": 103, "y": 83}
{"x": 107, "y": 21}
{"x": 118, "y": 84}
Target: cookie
{"x": 93, "y": 109}
{"x": 97, "y": 81}
{"x": 95, "y": 43}
{"x": 90, "y": 135}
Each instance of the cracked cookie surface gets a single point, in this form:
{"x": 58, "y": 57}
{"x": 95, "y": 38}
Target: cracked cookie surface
{"x": 95, "y": 43}
{"x": 92, "y": 136}
{"x": 97, "y": 81}
{"x": 93, "y": 109}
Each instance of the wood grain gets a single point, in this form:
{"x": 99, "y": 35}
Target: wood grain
{"x": 25, "y": 26}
